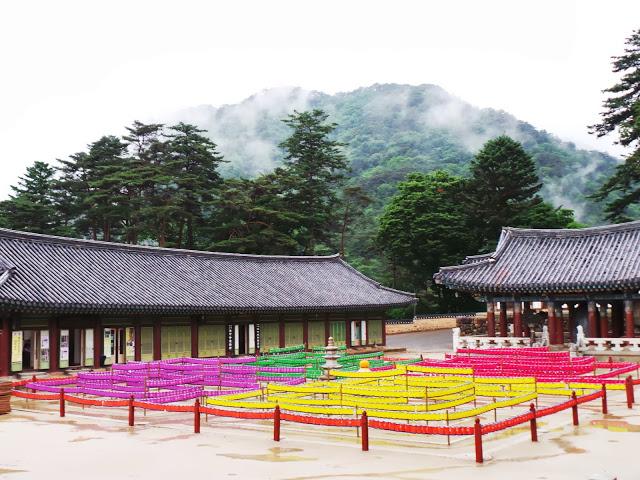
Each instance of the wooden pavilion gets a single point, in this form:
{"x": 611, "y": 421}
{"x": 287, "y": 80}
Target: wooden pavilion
{"x": 588, "y": 277}
{"x": 68, "y": 303}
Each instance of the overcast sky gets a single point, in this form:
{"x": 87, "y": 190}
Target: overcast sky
{"x": 73, "y": 71}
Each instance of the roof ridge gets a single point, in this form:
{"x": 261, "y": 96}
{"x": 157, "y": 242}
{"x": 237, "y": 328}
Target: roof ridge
{"x": 371, "y": 280}
{"x": 149, "y": 249}
{"x": 574, "y": 232}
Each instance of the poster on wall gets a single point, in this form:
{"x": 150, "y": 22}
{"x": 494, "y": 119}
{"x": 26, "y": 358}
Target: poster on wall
{"x": 16, "y": 350}
{"x": 64, "y": 348}
{"x": 44, "y": 349}
{"x": 131, "y": 343}
{"x": 88, "y": 347}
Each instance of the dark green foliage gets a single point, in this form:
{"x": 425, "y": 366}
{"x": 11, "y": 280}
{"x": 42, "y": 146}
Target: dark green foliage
{"x": 502, "y": 187}
{"x": 424, "y": 227}
{"x": 313, "y": 170}
{"x": 32, "y": 205}
{"x": 622, "y": 114}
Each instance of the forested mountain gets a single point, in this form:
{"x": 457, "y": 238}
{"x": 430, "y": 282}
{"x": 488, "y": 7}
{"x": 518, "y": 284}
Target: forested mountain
{"x": 391, "y": 130}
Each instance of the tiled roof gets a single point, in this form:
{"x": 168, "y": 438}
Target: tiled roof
{"x": 539, "y": 261}
{"x": 49, "y": 273}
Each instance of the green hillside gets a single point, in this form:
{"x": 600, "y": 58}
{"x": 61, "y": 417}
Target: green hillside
{"x": 391, "y": 130}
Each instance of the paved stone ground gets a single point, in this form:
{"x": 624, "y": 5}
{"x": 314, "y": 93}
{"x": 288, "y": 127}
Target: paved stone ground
{"x": 423, "y": 342}
{"x": 97, "y": 444}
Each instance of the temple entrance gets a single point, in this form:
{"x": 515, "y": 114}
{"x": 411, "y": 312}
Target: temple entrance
{"x": 358, "y": 332}
{"x": 76, "y": 347}
{"x": 119, "y": 345}
{"x": 243, "y": 338}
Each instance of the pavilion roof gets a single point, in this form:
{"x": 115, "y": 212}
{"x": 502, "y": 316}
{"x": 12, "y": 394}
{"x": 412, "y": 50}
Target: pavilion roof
{"x": 534, "y": 261}
{"x": 48, "y": 273}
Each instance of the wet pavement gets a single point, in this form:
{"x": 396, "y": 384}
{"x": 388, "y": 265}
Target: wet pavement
{"x": 422, "y": 342}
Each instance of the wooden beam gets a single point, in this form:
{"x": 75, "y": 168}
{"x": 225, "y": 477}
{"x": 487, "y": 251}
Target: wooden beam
{"x": 157, "y": 339}
{"x": 517, "y": 319}
{"x": 592, "y": 321}
{"x": 194, "y": 337}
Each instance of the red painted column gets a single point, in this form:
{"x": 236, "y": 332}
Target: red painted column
{"x": 137, "y": 342}
{"x": 5, "y": 342}
{"x": 571, "y": 322}
{"x": 604, "y": 321}
{"x": 347, "y": 331}
{"x": 384, "y": 329}
{"x": 54, "y": 344}
{"x": 552, "y": 322}
{"x": 194, "y": 337}
{"x": 98, "y": 341}
{"x": 281, "y": 335}
{"x": 157, "y": 340}
{"x": 628, "y": 319}
{"x": 592, "y": 323}
{"x": 617, "y": 319}
{"x": 517, "y": 319}
{"x": 503, "y": 319}
{"x": 559, "y": 324}
{"x": 491, "y": 319}
{"x": 305, "y": 332}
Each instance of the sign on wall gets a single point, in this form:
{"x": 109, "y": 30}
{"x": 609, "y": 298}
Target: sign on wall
{"x": 16, "y": 350}
{"x": 44, "y": 349}
{"x": 64, "y": 348}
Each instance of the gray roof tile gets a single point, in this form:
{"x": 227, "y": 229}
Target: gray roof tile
{"x": 60, "y": 274}
{"x": 538, "y": 261}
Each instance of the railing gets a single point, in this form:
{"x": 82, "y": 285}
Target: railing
{"x": 428, "y": 316}
{"x": 611, "y": 344}
{"x": 488, "y": 342}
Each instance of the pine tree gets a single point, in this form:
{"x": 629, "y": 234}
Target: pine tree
{"x": 31, "y": 207}
{"x": 192, "y": 167}
{"x": 313, "y": 170}
{"x": 622, "y": 114}
{"x": 502, "y": 188}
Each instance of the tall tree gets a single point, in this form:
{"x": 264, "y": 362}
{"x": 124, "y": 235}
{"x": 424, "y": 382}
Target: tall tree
{"x": 502, "y": 187}
{"x": 622, "y": 114}
{"x": 354, "y": 200}
{"x": 192, "y": 167}
{"x": 423, "y": 227}
{"x": 31, "y": 207}
{"x": 313, "y": 169}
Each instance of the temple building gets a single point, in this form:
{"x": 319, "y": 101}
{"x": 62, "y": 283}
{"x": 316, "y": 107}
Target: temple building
{"x": 588, "y": 277}
{"x": 68, "y": 303}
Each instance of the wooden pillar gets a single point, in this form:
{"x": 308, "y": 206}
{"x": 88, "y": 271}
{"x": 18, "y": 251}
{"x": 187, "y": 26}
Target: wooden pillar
{"x": 327, "y": 329}
{"x": 517, "y": 319}
{"x": 137, "y": 342}
{"x": 194, "y": 337}
{"x": 552, "y": 323}
{"x": 384, "y": 329}
{"x": 629, "y": 330}
{"x": 503, "y": 319}
{"x": 617, "y": 318}
{"x": 54, "y": 344}
{"x": 157, "y": 340}
{"x": 281, "y": 333}
{"x": 305, "y": 331}
{"x": 559, "y": 324}
{"x": 571, "y": 322}
{"x": 604, "y": 321}
{"x": 5, "y": 346}
{"x": 98, "y": 341}
{"x": 366, "y": 332}
{"x": 592, "y": 322}
{"x": 347, "y": 331}
{"x": 491, "y": 319}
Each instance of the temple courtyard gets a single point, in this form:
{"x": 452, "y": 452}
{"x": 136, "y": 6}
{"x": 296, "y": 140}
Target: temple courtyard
{"x": 97, "y": 443}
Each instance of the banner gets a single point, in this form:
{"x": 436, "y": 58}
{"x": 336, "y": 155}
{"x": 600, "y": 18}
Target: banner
{"x": 64, "y": 348}
{"x": 88, "y": 347}
{"x": 16, "y": 351}
{"x": 44, "y": 349}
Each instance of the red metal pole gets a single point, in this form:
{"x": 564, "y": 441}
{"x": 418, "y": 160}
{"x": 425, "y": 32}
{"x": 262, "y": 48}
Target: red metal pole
{"x": 629, "y": 387}
{"x": 605, "y": 408}
{"x": 131, "y": 413}
{"x": 62, "y": 409}
{"x": 196, "y": 417}
{"x": 276, "y": 424}
{"x": 534, "y": 423}
{"x": 574, "y": 408}
{"x": 34, "y": 380}
{"x": 364, "y": 425}
{"x": 477, "y": 428}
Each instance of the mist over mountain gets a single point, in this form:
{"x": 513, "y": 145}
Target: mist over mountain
{"x": 391, "y": 130}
